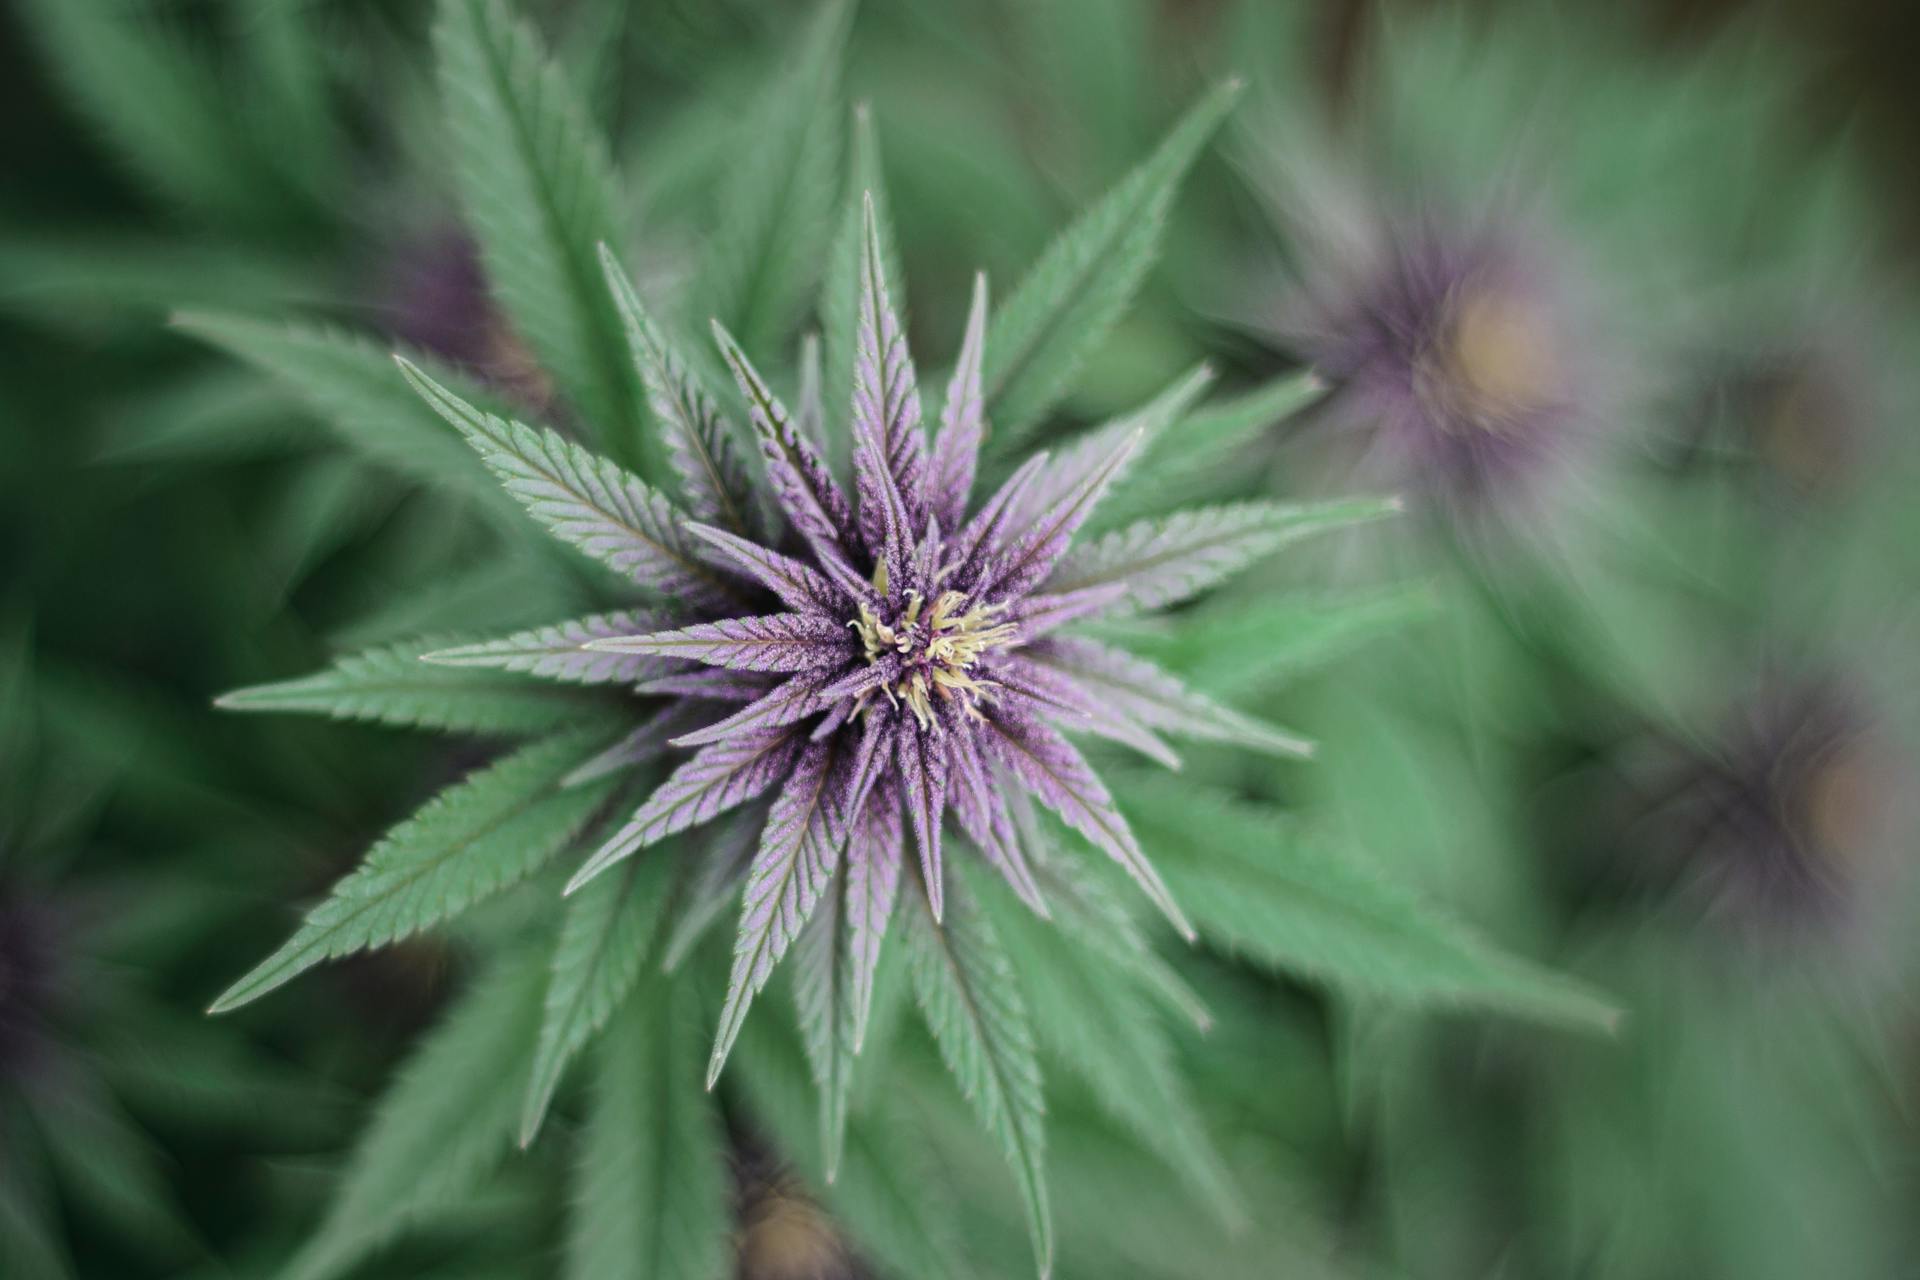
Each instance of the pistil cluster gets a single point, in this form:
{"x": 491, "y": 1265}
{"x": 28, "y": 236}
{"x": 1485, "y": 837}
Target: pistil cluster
{"x": 939, "y": 651}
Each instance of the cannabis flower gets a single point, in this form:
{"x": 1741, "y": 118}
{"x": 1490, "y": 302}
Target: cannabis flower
{"x": 890, "y": 658}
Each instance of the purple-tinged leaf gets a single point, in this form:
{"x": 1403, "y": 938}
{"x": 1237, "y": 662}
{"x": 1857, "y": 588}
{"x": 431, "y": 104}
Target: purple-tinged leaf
{"x": 772, "y": 642}
{"x": 922, "y": 770}
{"x": 1037, "y": 615}
{"x": 1080, "y": 708}
{"x": 984, "y": 817}
{"x": 1164, "y": 561}
{"x": 707, "y": 684}
{"x": 876, "y": 847}
{"x": 699, "y": 441}
{"x": 805, "y": 488}
{"x": 586, "y": 500}
{"x": 989, "y": 526}
{"x": 889, "y": 447}
{"x": 1060, "y": 778}
{"x": 652, "y": 739}
{"x": 796, "y": 856}
{"x": 793, "y": 699}
{"x": 559, "y": 651}
{"x": 727, "y": 774}
{"x": 800, "y": 586}
{"x": 714, "y": 885}
{"x": 863, "y": 767}
{"x": 1138, "y": 690}
{"x": 1031, "y": 557}
{"x": 956, "y": 447}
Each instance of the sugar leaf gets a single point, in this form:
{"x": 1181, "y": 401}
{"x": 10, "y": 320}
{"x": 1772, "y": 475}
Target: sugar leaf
{"x": 797, "y": 854}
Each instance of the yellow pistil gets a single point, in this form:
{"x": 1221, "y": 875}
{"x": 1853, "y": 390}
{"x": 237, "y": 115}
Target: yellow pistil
{"x": 941, "y": 648}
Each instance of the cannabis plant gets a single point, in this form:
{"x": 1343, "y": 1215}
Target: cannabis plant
{"x": 784, "y": 686}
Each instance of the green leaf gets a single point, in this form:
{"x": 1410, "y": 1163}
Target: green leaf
{"x": 713, "y": 475}
{"x": 390, "y": 684}
{"x": 1258, "y": 884}
{"x": 541, "y": 195}
{"x": 1102, "y": 1026}
{"x": 164, "y": 108}
{"x": 842, "y": 284}
{"x": 823, "y": 996}
{"x": 1164, "y": 560}
{"x": 776, "y": 212}
{"x": 1077, "y": 290}
{"x": 479, "y": 836}
{"x": 608, "y": 933}
{"x": 585, "y": 499}
{"x": 442, "y": 1126}
{"x": 968, "y": 993}
{"x": 1234, "y": 646}
{"x": 651, "y": 1199}
{"x": 348, "y": 382}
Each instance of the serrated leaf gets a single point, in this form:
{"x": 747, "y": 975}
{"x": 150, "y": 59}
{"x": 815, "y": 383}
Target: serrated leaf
{"x": 651, "y": 1193}
{"x": 479, "y": 836}
{"x": 1103, "y": 1029}
{"x": 1165, "y": 560}
{"x": 443, "y": 1124}
{"x": 797, "y": 854}
{"x": 541, "y": 196}
{"x": 1047, "y": 765}
{"x": 391, "y": 685}
{"x": 1074, "y": 293}
{"x": 1115, "y": 682}
{"x": 700, "y": 442}
{"x": 776, "y": 642}
{"x": 714, "y": 780}
{"x": 560, "y": 652}
{"x": 1259, "y": 884}
{"x": 348, "y": 382}
{"x": 776, "y": 211}
{"x": 968, "y": 993}
{"x": 584, "y": 499}
{"x": 605, "y": 940}
{"x": 842, "y": 285}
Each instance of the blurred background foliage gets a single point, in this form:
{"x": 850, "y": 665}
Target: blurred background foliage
{"x": 1642, "y": 706}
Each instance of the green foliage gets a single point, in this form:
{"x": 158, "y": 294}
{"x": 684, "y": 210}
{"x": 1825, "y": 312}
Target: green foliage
{"x": 776, "y": 207}
{"x": 1071, "y": 297}
{"x": 1260, "y": 885}
{"x": 390, "y": 685}
{"x": 609, "y": 934}
{"x": 541, "y": 196}
{"x": 965, "y": 985}
{"x": 473, "y": 840}
{"x": 348, "y": 382}
{"x": 651, "y": 1189}
{"x": 443, "y": 1124}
